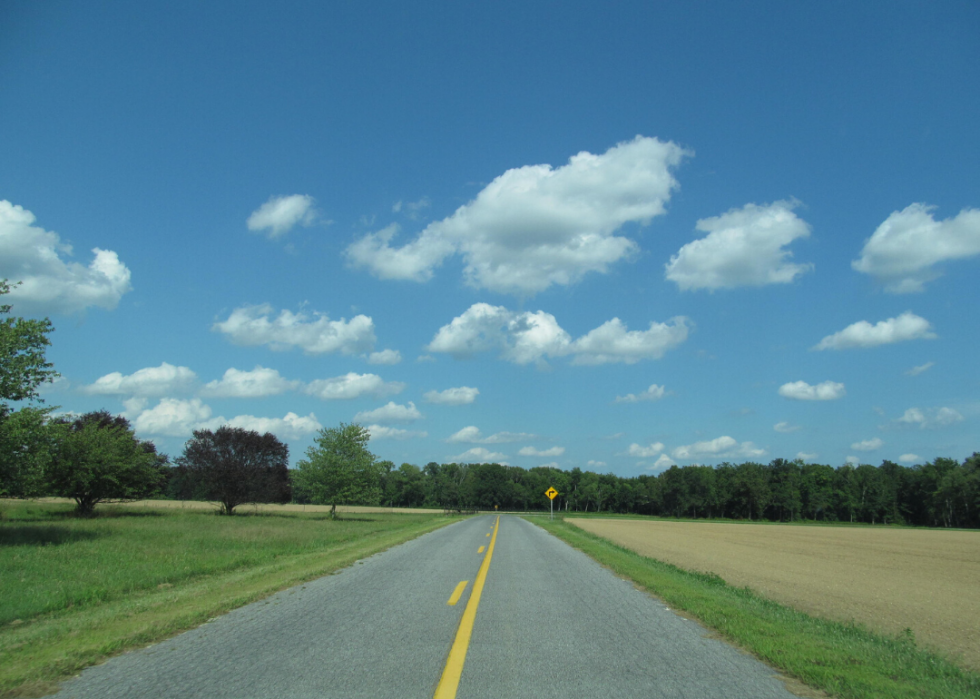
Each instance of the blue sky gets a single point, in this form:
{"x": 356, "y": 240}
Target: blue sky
{"x": 536, "y": 233}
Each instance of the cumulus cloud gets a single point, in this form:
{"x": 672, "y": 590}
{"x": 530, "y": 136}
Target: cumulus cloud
{"x": 173, "y": 417}
{"x": 930, "y": 418}
{"x": 644, "y": 452}
{"x": 806, "y": 456}
{"x": 258, "y": 383}
{"x": 48, "y": 283}
{"x": 536, "y": 226}
{"x": 392, "y": 412}
{"x": 162, "y": 380}
{"x": 853, "y": 460}
{"x": 903, "y": 252}
{"x": 596, "y": 464}
{"x": 255, "y": 325}
{"x": 655, "y": 392}
{"x": 353, "y": 386}
{"x": 907, "y": 326}
{"x": 462, "y": 395}
{"x": 909, "y": 458}
{"x": 663, "y": 461}
{"x": 387, "y": 357}
{"x": 867, "y": 445}
{"x": 479, "y": 455}
{"x": 472, "y": 435}
{"x": 528, "y": 337}
{"x": 916, "y": 370}
{"x": 531, "y": 451}
{"x": 721, "y": 447}
{"x": 279, "y": 215}
{"x": 785, "y": 427}
{"x": 744, "y": 247}
{"x": 801, "y": 390}
{"x": 383, "y": 432}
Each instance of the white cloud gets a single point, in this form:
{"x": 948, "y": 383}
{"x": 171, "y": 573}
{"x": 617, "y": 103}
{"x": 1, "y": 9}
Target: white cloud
{"x": 387, "y": 357}
{"x": 785, "y": 427}
{"x": 805, "y": 456}
{"x": 644, "y": 452}
{"x": 596, "y": 464}
{"x": 907, "y": 326}
{"x": 550, "y": 464}
{"x": 292, "y": 426}
{"x": 352, "y": 386}
{"x": 179, "y": 418}
{"x": 663, "y": 461}
{"x": 528, "y": 337}
{"x": 472, "y": 435}
{"x": 48, "y": 284}
{"x": 916, "y": 370}
{"x": 531, "y": 451}
{"x": 252, "y": 325}
{"x": 257, "y": 383}
{"x": 478, "y": 455}
{"x": 392, "y": 412}
{"x": 904, "y": 250}
{"x": 536, "y": 226}
{"x": 744, "y": 247}
{"x": 462, "y": 395}
{"x": 162, "y": 380}
{"x": 382, "y": 432}
{"x": 801, "y": 390}
{"x": 278, "y": 215}
{"x": 909, "y": 458}
{"x": 717, "y": 448}
{"x": 655, "y": 392}
{"x": 930, "y": 418}
{"x": 867, "y": 445}
{"x": 173, "y": 417}
{"x": 853, "y": 460}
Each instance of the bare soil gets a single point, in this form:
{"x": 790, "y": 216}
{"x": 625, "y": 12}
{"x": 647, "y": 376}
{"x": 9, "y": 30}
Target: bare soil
{"x": 888, "y": 579}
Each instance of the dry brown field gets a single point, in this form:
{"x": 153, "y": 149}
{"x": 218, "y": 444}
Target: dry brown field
{"x": 887, "y": 579}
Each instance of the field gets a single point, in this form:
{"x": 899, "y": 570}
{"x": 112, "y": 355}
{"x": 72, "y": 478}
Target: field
{"x": 886, "y": 579}
{"x": 74, "y": 591}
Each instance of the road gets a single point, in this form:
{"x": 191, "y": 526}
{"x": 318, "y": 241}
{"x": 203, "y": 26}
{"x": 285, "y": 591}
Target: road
{"x": 536, "y": 618}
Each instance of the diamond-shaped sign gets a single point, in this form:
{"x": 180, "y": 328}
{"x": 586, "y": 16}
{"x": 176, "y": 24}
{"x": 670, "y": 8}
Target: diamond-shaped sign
{"x": 551, "y": 493}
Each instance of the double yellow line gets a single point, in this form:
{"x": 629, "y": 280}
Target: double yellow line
{"x": 449, "y": 682}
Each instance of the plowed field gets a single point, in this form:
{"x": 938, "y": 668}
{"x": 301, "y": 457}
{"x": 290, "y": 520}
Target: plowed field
{"x": 886, "y": 579}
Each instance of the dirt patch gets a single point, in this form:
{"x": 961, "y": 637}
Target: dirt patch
{"x": 886, "y": 579}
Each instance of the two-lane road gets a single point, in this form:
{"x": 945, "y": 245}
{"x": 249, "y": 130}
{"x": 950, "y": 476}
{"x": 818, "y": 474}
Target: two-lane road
{"x": 550, "y": 623}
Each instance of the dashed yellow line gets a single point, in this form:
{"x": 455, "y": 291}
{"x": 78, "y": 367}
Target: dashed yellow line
{"x": 457, "y": 593}
{"x": 449, "y": 682}
{"x": 480, "y": 550}
{"x": 489, "y": 533}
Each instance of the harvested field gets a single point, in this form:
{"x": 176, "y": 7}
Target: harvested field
{"x": 886, "y": 579}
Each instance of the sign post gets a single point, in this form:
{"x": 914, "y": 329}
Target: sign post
{"x": 551, "y": 493}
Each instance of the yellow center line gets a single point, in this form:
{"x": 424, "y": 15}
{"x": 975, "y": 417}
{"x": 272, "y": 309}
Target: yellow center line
{"x": 480, "y": 550}
{"x": 457, "y": 593}
{"x": 489, "y": 533}
{"x": 449, "y": 682}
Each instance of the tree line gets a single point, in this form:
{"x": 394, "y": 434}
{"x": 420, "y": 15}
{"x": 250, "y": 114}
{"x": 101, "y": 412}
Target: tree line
{"x": 97, "y": 457}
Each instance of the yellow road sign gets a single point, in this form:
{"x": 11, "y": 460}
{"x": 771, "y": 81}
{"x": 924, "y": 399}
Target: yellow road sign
{"x": 551, "y": 493}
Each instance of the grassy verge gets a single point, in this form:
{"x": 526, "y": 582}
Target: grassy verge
{"x": 844, "y": 660}
{"x": 74, "y": 592}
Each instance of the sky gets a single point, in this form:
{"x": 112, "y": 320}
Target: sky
{"x": 532, "y": 233}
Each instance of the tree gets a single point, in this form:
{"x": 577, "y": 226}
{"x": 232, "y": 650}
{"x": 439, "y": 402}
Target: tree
{"x": 339, "y": 469}
{"x": 27, "y": 445}
{"x": 234, "y": 466}
{"x": 97, "y": 458}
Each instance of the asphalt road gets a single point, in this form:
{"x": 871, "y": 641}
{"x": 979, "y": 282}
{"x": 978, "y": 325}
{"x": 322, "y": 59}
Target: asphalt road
{"x": 549, "y": 622}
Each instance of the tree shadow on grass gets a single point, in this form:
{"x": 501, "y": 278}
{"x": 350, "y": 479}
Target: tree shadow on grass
{"x": 16, "y": 534}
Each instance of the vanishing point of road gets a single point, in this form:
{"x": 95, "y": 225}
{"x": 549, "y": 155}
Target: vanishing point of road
{"x": 534, "y": 618}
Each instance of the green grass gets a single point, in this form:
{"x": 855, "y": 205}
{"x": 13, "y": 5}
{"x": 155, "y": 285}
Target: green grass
{"x": 844, "y": 660}
{"x": 74, "y": 591}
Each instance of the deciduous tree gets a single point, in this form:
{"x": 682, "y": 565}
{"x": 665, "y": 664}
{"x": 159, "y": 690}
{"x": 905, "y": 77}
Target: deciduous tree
{"x": 339, "y": 469}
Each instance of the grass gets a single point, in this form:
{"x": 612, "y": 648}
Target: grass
{"x": 844, "y": 660}
{"x": 75, "y": 591}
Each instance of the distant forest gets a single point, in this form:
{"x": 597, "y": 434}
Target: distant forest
{"x": 940, "y": 493}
